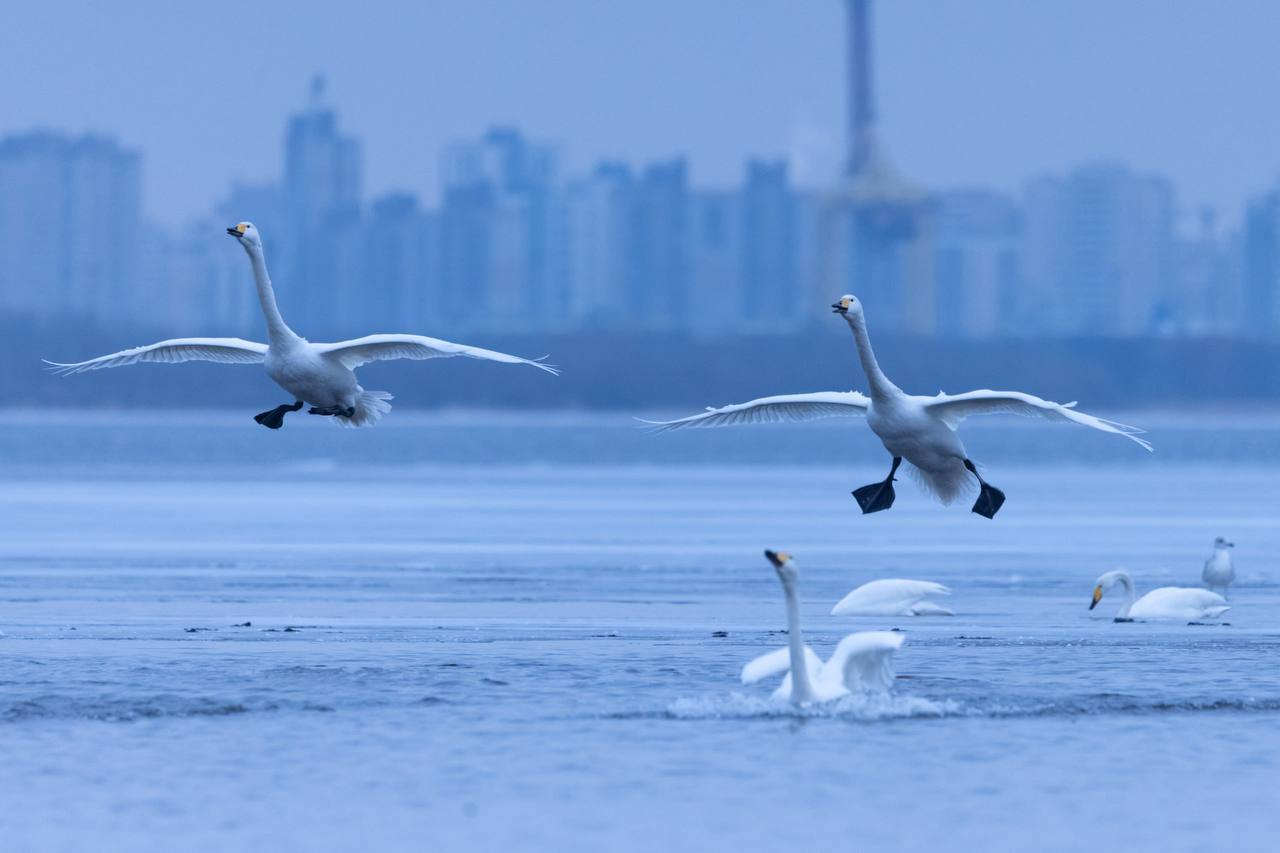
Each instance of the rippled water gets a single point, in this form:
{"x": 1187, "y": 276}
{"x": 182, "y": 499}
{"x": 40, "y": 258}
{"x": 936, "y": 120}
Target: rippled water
{"x": 525, "y": 632}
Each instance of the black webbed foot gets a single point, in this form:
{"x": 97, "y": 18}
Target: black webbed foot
{"x": 875, "y": 497}
{"x": 274, "y": 419}
{"x": 990, "y": 499}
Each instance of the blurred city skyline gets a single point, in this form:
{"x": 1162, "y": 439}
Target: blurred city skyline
{"x": 980, "y": 95}
{"x": 518, "y": 239}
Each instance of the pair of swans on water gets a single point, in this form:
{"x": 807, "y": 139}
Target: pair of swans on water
{"x": 918, "y": 430}
{"x": 863, "y": 662}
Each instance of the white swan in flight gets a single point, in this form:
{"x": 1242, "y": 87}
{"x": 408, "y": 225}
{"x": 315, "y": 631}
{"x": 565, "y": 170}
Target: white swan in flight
{"x": 861, "y": 662}
{"x": 1218, "y": 569}
{"x": 921, "y": 430}
{"x": 320, "y": 374}
{"x": 1167, "y": 602}
{"x": 893, "y": 597}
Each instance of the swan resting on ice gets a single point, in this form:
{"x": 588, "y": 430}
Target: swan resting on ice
{"x": 320, "y": 374}
{"x": 1218, "y": 569}
{"x": 862, "y": 662}
{"x": 920, "y": 430}
{"x": 893, "y": 597}
{"x": 1167, "y": 602}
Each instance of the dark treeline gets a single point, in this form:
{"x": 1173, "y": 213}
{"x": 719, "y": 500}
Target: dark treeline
{"x": 618, "y": 370}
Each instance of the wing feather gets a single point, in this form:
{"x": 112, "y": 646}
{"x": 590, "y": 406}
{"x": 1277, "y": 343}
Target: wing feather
{"x": 783, "y": 408}
{"x": 360, "y": 351}
{"x": 954, "y": 408}
{"x": 174, "y": 351}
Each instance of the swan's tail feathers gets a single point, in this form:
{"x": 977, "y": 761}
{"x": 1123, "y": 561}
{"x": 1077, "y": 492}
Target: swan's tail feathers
{"x": 947, "y": 484}
{"x": 370, "y": 407}
{"x": 1215, "y": 612}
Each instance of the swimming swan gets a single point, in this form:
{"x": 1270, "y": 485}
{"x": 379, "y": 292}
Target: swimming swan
{"x": 1167, "y": 602}
{"x": 1219, "y": 569}
{"x": 320, "y": 374}
{"x": 921, "y": 430}
{"x": 893, "y": 597}
{"x": 861, "y": 662}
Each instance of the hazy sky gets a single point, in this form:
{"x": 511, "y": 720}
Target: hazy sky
{"x": 971, "y": 91}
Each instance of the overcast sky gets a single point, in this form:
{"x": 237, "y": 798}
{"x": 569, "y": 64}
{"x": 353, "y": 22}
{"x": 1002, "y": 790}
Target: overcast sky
{"x": 970, "y": 92}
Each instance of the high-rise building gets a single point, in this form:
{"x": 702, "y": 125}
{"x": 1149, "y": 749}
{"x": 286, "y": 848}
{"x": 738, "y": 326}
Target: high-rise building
{"x": 597, "y": 214}
{"x": 1099, "y": 250}
{"x": 770, "y": 294}
{"x": 659, "y": 291}
{"x": 498, "y": 264}
{"x": 976, "y": 266}
{"x": 1262, "y": 266}
{"x": 401, "y": 287}
{"x": 716, "y": 303}
{"x": 70, "y": 217}
{"x": 322, "y": 197}
{"x": 875, "y": 226}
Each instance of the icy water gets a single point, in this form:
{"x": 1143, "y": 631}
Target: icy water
{"x": 524, "y": 632}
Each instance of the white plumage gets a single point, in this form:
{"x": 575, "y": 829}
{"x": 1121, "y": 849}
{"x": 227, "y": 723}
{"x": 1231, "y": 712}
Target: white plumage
{"x": 893, "y": 597}
{"x": 1167, "y": 602}
{"x": 918, "y": 430}
{"x": 321, "y": 374}
{"x": 862, "y": 662}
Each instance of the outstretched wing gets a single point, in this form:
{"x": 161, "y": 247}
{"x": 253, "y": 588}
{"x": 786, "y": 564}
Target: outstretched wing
{"x": 954, "y": 408}
{"x": 360, "y": 351}
{"x": 778, "y": 662}
{"x": 784, "y": 408}
{"x": 865, "y": 660}
{"x": 223, "y": 350}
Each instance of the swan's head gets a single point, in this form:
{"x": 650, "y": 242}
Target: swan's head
{"x": 1222, "y": 543}
{"x": 1104, "y": 583}
{"x": 847, "y": 304}
{"x": 783, "y": 565}
{"x": 247, "y": 234}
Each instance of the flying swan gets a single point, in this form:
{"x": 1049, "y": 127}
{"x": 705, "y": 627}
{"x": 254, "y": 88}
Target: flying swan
{"x": 862, "y": 662}
{"x": 320, "y": 374}
{"x": 1219, "y": 569}
{"x": 893, "y": 597}
{"x": 921, "y": 430}
{"x": 1167, "y": 602}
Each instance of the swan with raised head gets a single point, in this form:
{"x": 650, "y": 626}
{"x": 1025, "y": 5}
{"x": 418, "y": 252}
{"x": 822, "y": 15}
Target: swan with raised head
{"x": 893, "y": 597}
{"x": 322, "y": 375}
{"x": 919, "y": 430}
{"x": 1167, "y": 602}
{"x": 862, "y": 662}
{"x": 1219, "y": 569}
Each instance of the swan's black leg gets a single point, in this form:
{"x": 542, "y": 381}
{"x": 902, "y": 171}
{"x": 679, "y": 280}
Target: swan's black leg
{"x": 878, "y": 496}
{"x": 990, "y": 499}
{"x": 274, "y": 419}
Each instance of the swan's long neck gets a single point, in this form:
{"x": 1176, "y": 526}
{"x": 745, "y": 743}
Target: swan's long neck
{"x": 277, "y": 330}
{"x": 1129, "y": 596}
{"x": 879, "y": 384}
{"x": 801, "y": 689}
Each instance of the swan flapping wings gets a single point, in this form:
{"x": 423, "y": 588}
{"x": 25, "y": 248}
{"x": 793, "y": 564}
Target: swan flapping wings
{"x": 360, "y": 351}
{"x": 224, "y": 350}
{"x": 861, "y": 662}
{"x": 954, "y": 408}
{"x": 783, "y": 408}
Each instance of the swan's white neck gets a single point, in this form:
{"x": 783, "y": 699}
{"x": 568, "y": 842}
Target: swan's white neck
{"x": 801, "y": 689}
{"x": 878, "y": 383}
{"x": 1129, "y": 595}
{"x": 277, "y": 330}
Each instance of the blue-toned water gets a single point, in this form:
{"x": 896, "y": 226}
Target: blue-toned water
{"x": 467, "y": 632}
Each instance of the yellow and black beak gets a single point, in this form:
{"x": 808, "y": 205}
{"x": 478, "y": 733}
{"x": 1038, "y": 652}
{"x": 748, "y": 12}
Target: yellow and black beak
{"x": 840, "y": 307}
{"x": 236, "y": 230}
{"x": 778, "y": 558}
{"x": 1097, "y": 596}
